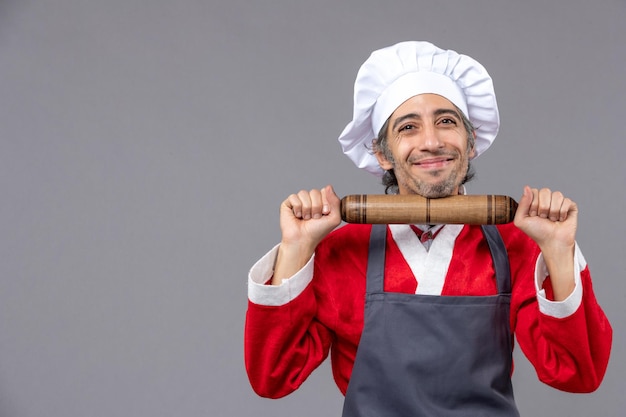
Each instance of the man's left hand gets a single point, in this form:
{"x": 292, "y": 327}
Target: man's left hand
{"x": 550, "y": 219}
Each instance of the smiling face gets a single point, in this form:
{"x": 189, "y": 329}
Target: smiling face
{"x": 428, "y": 147}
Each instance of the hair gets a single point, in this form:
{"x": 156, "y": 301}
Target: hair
{"x": 381, "y": 144}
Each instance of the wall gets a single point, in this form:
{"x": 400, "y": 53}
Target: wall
{"x": 145, "y": 147}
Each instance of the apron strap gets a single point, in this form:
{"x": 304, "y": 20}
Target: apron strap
{"x": 376, "y": 258}
{"x": 500, "y": 258}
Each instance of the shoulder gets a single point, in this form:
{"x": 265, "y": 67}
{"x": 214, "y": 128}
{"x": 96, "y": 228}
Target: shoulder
{"x": 346, "y": 242}
{"x": 516, "y": 241}
{"x": 348, "y": 234}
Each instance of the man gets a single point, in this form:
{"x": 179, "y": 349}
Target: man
{"x": 431, "y": 308}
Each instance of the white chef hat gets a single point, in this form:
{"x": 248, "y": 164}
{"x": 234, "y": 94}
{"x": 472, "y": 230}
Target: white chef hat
{"x": 392, "y": 75}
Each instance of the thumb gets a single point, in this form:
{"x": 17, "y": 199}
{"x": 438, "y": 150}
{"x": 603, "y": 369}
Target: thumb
{"x": 523, "y": 206}
{"x": 329, "y": 199}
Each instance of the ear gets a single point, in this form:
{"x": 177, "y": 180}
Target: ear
{"x": 383, "y": 161}
{"x": 472, "y": 151}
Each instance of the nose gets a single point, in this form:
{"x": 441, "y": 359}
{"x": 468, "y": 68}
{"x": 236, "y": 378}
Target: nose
{"x": 430, "y": 140}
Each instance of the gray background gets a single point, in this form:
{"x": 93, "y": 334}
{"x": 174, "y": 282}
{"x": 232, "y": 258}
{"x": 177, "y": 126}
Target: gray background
{"x": 145, "y": 147}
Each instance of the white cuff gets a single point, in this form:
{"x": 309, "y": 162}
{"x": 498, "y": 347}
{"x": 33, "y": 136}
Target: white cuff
{"x": 567, "y": 307}
{"x": 276, "y": 295}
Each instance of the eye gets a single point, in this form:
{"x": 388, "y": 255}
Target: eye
{"x": 405, "y": 128}
{"x": 448, "y": 121}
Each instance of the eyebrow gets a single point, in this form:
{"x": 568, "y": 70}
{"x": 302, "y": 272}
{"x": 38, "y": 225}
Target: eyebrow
{"x": 437, "y": 112}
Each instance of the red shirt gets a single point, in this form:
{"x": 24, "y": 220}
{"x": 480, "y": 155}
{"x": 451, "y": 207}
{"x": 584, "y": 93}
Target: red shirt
{"x": 284, "y": 344}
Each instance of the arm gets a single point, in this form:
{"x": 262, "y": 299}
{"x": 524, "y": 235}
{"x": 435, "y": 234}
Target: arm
{"x": 567, "y": 337}
{"x": 284, "y": 341}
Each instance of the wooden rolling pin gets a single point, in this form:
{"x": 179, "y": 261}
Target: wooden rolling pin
{"x": 415, "y": 209}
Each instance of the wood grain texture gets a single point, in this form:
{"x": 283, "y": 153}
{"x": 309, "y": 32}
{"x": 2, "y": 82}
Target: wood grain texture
{"x": 414, "y": 209}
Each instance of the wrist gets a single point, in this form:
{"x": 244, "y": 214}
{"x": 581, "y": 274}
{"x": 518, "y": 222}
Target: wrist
{"x": 560, "y": 265}
{"x": 290, "y": 259}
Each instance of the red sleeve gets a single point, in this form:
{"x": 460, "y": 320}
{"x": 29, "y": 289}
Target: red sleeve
{"x": 283, "y": 345}
{"x": 570, "y": 354}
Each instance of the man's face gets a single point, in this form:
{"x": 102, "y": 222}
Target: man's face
{"x": 429, "y": 146}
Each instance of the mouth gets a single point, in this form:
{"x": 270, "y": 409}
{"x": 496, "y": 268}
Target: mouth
{"x": 434, "y": 163}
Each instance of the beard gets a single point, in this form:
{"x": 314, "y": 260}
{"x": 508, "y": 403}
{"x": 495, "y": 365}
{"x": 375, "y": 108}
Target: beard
{"x": 440, "y": 184}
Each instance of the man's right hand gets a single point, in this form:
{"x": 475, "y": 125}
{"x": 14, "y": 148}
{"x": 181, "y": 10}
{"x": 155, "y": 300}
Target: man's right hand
{"x": 305, "y": 219}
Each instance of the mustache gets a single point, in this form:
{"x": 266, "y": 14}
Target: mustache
{"x": 451, "y": 154}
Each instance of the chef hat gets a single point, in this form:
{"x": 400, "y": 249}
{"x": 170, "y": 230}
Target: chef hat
{"x": 392, "y": 75}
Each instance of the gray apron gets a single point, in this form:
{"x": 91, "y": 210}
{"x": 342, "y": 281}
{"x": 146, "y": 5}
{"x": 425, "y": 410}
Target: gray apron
{"x": 428, "y": 355}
